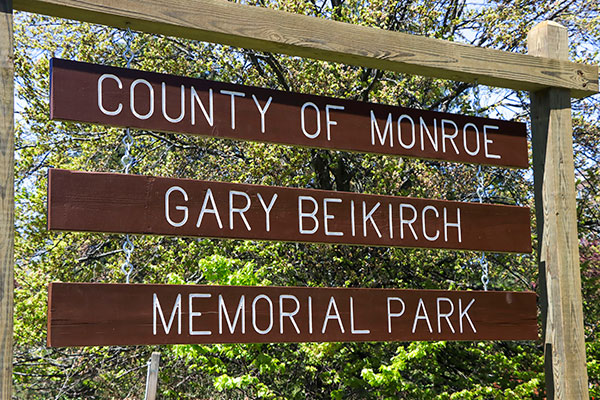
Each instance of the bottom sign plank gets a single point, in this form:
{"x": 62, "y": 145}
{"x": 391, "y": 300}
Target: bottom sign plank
{"x": 97, "y": 314}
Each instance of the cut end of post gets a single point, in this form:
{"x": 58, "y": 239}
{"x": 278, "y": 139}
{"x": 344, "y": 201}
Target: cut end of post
{"x": 548, "y": 39}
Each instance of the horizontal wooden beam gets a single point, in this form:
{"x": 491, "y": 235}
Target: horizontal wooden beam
{"x": 258, "y": 28}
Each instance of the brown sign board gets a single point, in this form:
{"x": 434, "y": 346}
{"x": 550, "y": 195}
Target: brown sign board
{"x": 99, "y": 314}
{"x": 146, "y": 100}
{"x": 119, "y": 203}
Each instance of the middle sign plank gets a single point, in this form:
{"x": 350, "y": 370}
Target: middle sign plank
{"x": 118, "y": 203}
{"x": 147, "y": 100}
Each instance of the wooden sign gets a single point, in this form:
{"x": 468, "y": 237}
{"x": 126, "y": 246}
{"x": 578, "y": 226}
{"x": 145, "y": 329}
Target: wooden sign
{"x": 146, "y": 100}
{"x": 99, "y": 314}
{"x": 118, "y": 203}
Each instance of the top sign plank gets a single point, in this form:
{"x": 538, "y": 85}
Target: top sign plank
{"x": 169, "y": 103}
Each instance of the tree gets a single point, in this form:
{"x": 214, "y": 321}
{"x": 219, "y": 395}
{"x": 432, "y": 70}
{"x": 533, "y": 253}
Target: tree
{"x": 437, "y": 370}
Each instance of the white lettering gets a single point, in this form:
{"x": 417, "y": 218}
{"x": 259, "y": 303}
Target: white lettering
{"x": 452, "y": 224}
{"x": 233, "y": 96}
{"x": 310, "y": 315}
{"x": 267, "y": 209}
{"x": 288, "y": 314}
{"x": 303, "y": 123}
{"x": 256, "y": 328}
{"x": 164, "y": 104}
{"x": 302, "y": 215}
{"x": 209, "y": 116}
{"x": 328, "y": 216}
{"x": 328, "y": 120}
{"x": 375, "y": 127}
{"x": 176, "y": 310}
{"x": 421, "y": 306}
{"x": 132, "y": 98}
{"x": 390, "y": 314}
{"x": 412, "y": 124}
{"x": 408, "y": 222}
{"x": 179, "y": 208}
{"x": 240, "y": 311}
{"x": 352, "y": 329}
{"x": 369, "y": 216}
{"x": 209, "y": 196}
{"x": 328, "y": 316}
{"x": 262, "y": 111}
{"x": 424, "y": 217}
{"x": 446, "y": 136}
{"x": 446, "y": 315}
{"x": 240, "y": 211}
{"x": 100, "y": 105}
{"x": 193, "y": 314}
{"x": 433, "y": 139}
{"x": 390, "y": 220}
{"x": 487, "y": 141}
{"x": 469, "y": 152}
{"x": 464, "y": 313}
{"x": 352, "y": 218}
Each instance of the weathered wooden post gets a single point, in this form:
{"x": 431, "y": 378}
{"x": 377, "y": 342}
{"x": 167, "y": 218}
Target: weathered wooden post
{"x": 7, "y": 209}
{"x": 152, "y": 378}
{"x": 554, "y": 179}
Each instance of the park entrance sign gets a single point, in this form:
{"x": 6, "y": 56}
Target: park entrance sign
{"x": 146, "y": 100}
{"x": 92, "y": 314}
{"x": 133, "y": 204}
{"x": 545, "y": 72}
{"x": 161, "y": 314}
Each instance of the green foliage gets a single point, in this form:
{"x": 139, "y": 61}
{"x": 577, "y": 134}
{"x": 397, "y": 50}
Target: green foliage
{"x": 419, "y": 370}
{"x": 436, "y": 370}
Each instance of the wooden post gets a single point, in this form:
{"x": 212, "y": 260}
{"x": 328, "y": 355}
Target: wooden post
{"x": 7, "y": 147}
{"x": 554, "y": 182}
{"x": 152, "y": 379}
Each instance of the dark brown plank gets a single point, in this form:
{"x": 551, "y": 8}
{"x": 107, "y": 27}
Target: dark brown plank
{"x": 97, "y": 314}
{"x": 117, "y": 203}
{"x": 103, "y": 95}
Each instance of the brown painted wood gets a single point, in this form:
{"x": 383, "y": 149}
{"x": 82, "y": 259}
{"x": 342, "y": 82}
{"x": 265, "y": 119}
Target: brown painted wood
{"x": 556, "y": 210}
{"x": 98, "y": 314}
{"x": 103, "y": 95}
{"x": 7, "y": 200}
{"x": 275, "y": 31}
{"x": 118, "y": 203}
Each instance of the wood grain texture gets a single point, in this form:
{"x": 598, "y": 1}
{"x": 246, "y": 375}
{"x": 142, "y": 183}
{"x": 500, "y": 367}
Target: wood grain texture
{"x": 99, "y": 314}
{"x": 7, "y": 201}
{"x": 118, "y": 203}
{"x": 80, "y": 92}
{"x": 554, "y": 183}
{"x": 152, "y": 379}
{"x": 263, "y": 29}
